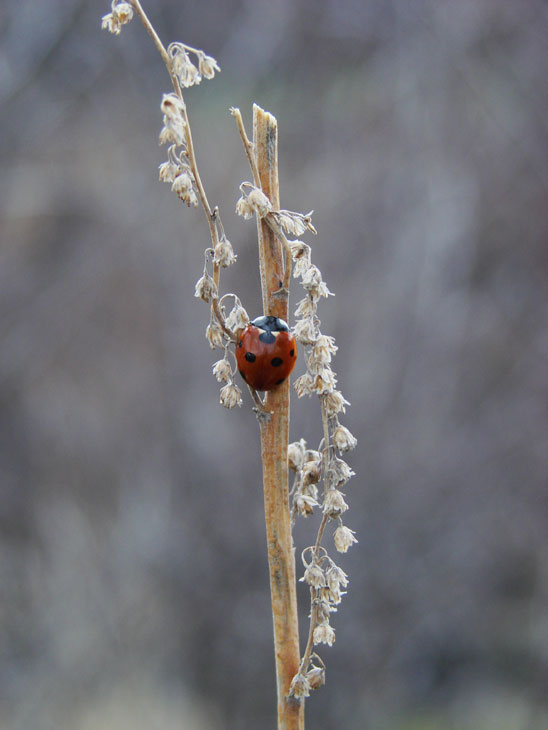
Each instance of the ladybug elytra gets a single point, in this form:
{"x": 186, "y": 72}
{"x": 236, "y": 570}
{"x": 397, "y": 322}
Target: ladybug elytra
{"x": 266, "y": 352}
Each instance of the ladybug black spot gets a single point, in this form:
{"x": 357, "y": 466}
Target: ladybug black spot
{"x": 267, "y": 337}
{"x": 279, "y": 382}
{"x": 276, "y": 362}
{"x": 250, "y": 357}
{"x": 240, "y": 343}
{"x": 292, "y": 353}
{"x": 243, "y": 376}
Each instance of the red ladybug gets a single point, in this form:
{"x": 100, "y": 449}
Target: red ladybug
{"x": 266, "y": 352}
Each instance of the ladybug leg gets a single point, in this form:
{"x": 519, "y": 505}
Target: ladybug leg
{"x": 262, "y": 416}
{"x": 259, "y": 409}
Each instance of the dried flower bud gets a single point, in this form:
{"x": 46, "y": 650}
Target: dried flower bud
{"x": 189, "y": 75}
{"x": 224, "y": 253}
{"x": 335, "y": 403}
{"x": 312, "y": 473}
{"x": 303, "y": 385}
{"x": 313, "y": 283}
{"x": 307, "y": 220}
{"x": 316, "y": 365}
{"x": 336, "y": 576}
{"x": 244, "y": 208}
{"x": 313, "y": 575}
{"x": 324, "y": 634}
{"x": 300, "y": 267}
{"x": 111, "y": 23}
{"x": 238, "y": 318}
{"x": 173, "y": 132}
{"x": 324, "y": 382}
{"x": 168, "y": 171}
{"x": 259, "y": 202}
{"x": 311, "y": 490}
{"x": 335, "y": 595}
{"x": 182, "y": 185}
{"x": 292, "y": 223}
{"x": 123, "y": 11}
{"x": 324, "y": 348}
{"x": 182, "y": 66}
{"x": 323, "y": 610}
{"x": 312, "y": 455}
{"x": 205, "y": 288}
{"x": 324, "y": 595}
{"x": 231, "y": 396}
{"x": 207, "y": 65}
{"x": 304, "y": 504}
{"x": 214, "y": 335}
{"x": 295, "y": 455}
{"x": 222, "y": 371}
{"x": 300, "y": 686}
{"x": 305, "y": 331}
{"x": 335, "y": 579}
{"x": 174, "y": 123}
{"x": 306, "y": 308}
{"x": 339, "y": 472}
{"x": 343, "y": 439}
{"x": 334, "y": 504}
{"x": 316, "y": 677}
{"x": 299, "y": 250}
{"x": 313, "y": 277}
{"x": 300, "y": 253}
{"x": 344, "y": 538}
{"x": 168, "y": 136}
{"x": 173, "y": 107}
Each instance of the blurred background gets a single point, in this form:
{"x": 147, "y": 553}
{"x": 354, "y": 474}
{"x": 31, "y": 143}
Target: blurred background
{"x": 133, "y": 577}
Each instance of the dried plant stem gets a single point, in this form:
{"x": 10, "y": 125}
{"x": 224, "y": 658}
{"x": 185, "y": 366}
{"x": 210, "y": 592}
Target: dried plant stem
{"x": 216, "y": 307}
{"x": 313, "y": 611}
{"x": 248, "y": 145}
{"x": 152, "y": 33}
{"x": 274, "y": 444}
{"x": 325, "y": 457}
{"x": 250, "y": 152}
{"x": 305, "y": 661}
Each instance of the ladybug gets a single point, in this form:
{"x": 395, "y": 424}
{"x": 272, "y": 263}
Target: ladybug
{"x": 266, "y": 352}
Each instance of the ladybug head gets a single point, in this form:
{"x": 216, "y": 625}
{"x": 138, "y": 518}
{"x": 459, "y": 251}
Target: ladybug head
{"x": 268, "y": 327}
{"x": 270, "y": 324}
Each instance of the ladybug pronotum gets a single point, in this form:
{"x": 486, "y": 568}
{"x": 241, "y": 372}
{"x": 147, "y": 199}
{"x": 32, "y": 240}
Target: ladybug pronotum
{"x": 266, "y": 352}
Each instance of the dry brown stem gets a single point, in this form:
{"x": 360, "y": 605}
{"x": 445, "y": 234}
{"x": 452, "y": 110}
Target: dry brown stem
{"x": 274, "y": 443}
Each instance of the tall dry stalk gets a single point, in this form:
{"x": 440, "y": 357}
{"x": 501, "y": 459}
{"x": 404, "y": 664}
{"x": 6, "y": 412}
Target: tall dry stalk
{"x": 296, "y": 675}
{"x": 275, "y": 440}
